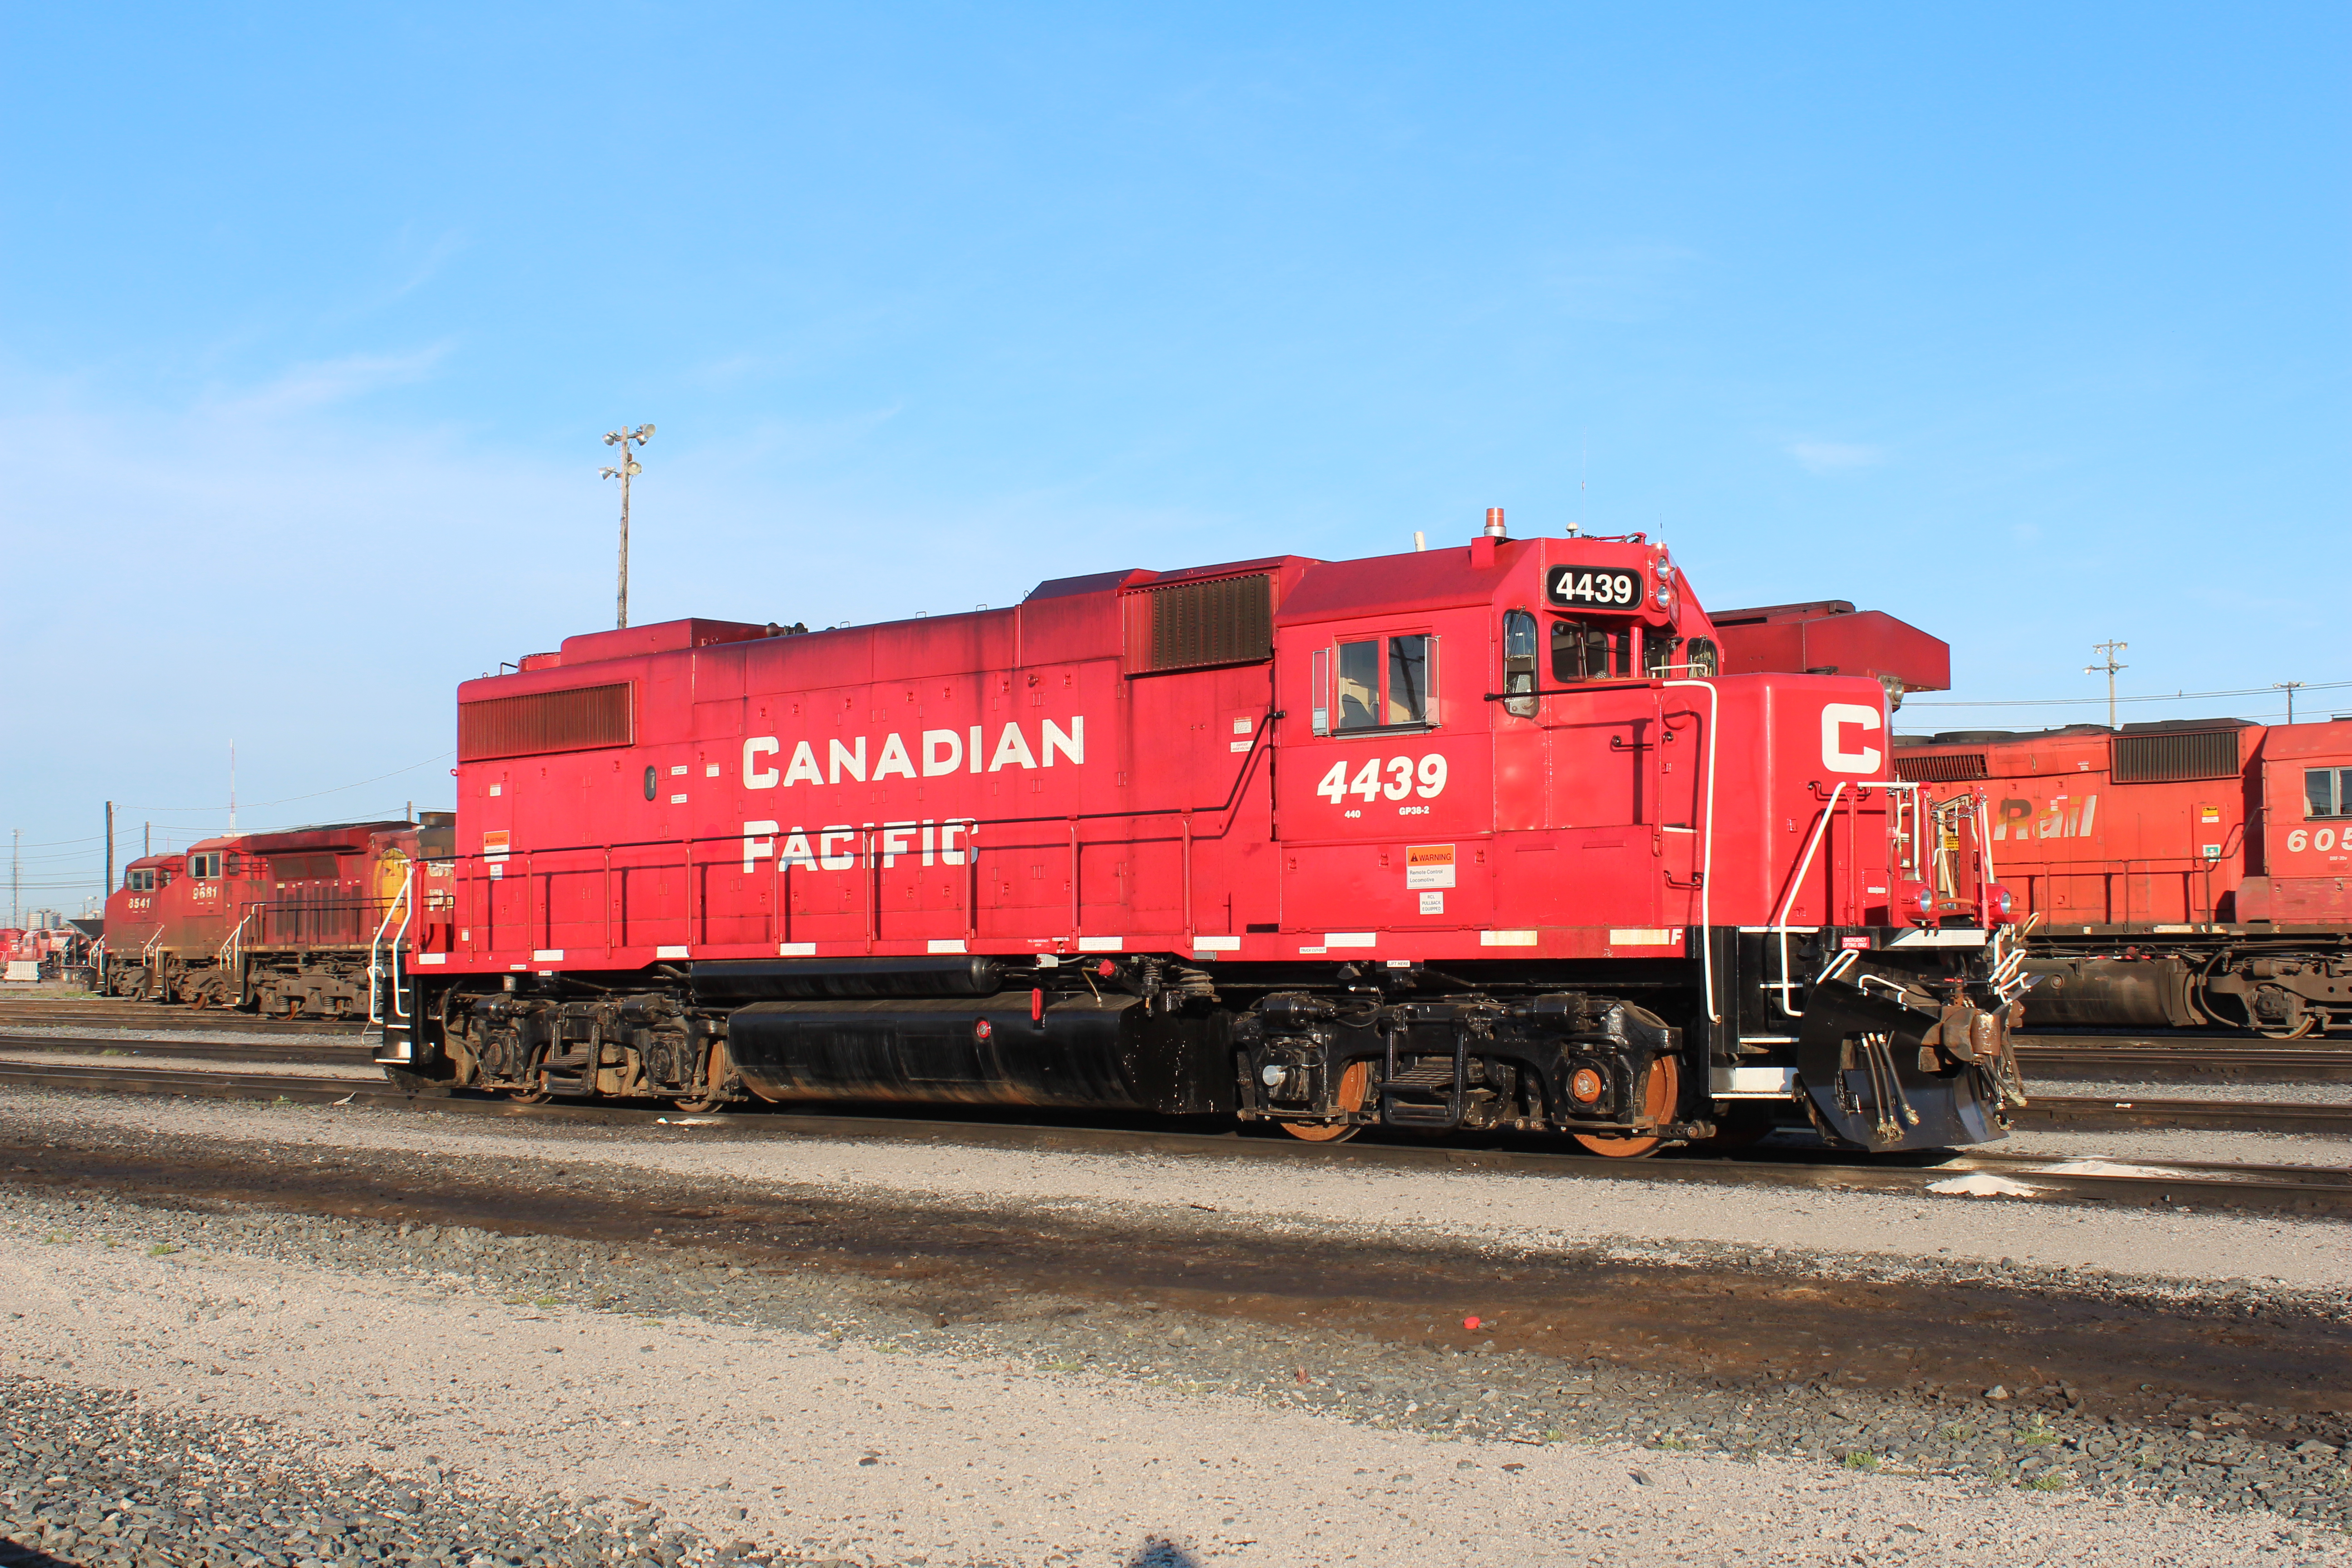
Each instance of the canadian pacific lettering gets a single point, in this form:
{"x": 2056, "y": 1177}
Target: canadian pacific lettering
{"x": 941, "y": 750}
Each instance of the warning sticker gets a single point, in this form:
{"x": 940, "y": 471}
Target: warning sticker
{"x": 2208, "y": 814}
{"x": 494, "y": 844}
{"x": 1429, "y": 866}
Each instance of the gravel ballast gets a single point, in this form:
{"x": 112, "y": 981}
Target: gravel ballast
{"x": 505, "y": 1378}
{"x": 366, "y": 1366}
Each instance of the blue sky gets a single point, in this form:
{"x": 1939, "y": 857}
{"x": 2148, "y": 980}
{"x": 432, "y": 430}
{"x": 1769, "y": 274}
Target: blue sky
{"x": 2028, "y": 324}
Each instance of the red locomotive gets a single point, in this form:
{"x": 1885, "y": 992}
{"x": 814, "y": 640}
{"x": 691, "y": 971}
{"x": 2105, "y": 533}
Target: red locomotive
{"x": 1478, "y": 837}
{"x": 2178, "y": 875}
{"x": 45, "y": 952}
{"x": 282, "y": 922}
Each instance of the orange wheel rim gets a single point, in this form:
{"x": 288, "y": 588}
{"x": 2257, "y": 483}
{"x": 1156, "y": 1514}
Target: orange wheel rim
{"x": 1355, "y": 1088}
{"x": 1658, "y": 1104}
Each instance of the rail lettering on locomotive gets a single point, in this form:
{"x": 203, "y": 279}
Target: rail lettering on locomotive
{"x": 1510, "y": 836}
{"x": 2183, "y": 875}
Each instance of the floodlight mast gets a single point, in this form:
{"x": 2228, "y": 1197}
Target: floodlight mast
{"x": 624, "y": 439}
{"x": 2108, "y": 669}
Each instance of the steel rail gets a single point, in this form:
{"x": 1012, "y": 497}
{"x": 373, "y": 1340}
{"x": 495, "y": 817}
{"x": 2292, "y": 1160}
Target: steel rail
{"x": 2176, "y": 1184}
{"x": 2271, "y": 1061}
{"x": 351, "y": 1052}
{"x": 2094, "y": 1114}
{"x": 122, "y": 1014}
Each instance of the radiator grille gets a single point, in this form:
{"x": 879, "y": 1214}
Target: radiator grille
{"x": 1944, "y": 769}
{"x": 2171, "y": 759}
{"x": 570, "y": 720}
{"x": 1188, "y": 626}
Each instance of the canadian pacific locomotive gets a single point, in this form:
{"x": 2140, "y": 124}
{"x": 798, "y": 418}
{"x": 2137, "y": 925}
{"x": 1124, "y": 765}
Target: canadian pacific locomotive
{"x": 1506, "y": 835}
{"x": 2180, "y": 875}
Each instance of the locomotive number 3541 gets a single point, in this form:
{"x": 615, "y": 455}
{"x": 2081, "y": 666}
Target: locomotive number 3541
{"x": 1396, "y": 778}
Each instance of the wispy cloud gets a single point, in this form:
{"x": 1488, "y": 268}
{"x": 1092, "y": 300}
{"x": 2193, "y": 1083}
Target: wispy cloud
{"x": 423, "y": 271}
{"x": 324, "y": 382}
{"x": 1834, "y": 456}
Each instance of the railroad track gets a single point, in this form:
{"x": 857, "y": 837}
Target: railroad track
{"x": 2186, "y": 1059}
{"x": 2173, "y": 1185}
{"x": 299, "y": 1051}
{"x": 107, "y": 1014}
{"x": 2084, "y": 1113}
{"x": 2076, "y": 1112}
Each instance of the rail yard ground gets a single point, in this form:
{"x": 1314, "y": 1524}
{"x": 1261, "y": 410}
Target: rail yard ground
{"x": 339, "y": 1333}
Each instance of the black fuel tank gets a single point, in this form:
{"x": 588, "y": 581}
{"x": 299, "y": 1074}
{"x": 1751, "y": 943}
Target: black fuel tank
{"x": 2110, "y": 993}
{"x": 1109, "y": 1053}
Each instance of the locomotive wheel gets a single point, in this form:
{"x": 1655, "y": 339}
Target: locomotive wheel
{"x": 1355, "y": 1088}
{"x": 716, "y": 1064}
{"x": 1658, "y": 1105}
{"x": 537, "y": 1094}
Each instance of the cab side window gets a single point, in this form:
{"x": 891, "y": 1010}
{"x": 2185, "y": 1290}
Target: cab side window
{"x": 1519, "y": 663}
{"x": 1408, "y": 680}
{"x": 1590, "y": 650}
{"x": 2326, "y": 791}
{"x": 206, "y": 863}
{"x": 141, "y": 880}
{"x": 1359, "y": 684}
{"x": 1385, "y": 683}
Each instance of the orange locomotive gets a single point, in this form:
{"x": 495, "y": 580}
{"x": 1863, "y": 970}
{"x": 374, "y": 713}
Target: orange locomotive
{"x": 281, "y": 922}
{"x": 2179, "y": 875}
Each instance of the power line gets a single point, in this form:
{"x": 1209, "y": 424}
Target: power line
{"x": 291, "y": 799}
{"x": 2160, "y": 697}
{"x": 53, "y": 843}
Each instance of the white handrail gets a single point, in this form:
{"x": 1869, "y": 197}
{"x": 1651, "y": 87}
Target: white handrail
{"x": 233, "y": 947}
{"x": 375, "y": 1007}
{"x": 1707, "y": 850}
{"x": 1780, "y": 916}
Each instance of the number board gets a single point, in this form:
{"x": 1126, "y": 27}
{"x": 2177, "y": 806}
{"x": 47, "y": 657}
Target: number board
{"x": 1568, "y": 586}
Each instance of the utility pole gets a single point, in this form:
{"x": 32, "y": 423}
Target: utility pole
{"x": 231, "y": 786}
{"x": 110, "y": 853}
{"x": 626, "y": 439}
{"x": 2288, "y": 687}
{"x": 2110, "y": 650}
{"x": 15, "y": 860}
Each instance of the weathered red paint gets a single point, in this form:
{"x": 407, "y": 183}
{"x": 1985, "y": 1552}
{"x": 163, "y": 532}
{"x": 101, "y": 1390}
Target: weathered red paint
{"x": 2079, "y": 847}
{"x": 1017, "y": 782}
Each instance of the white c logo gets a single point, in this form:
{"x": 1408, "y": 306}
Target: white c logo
{"x": 754, "y": 775}
{"x": 1835, "y": 717}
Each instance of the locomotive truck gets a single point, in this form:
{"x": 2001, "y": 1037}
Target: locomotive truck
{"x": 2182, "y": 875}
{"x": 1505, "y": 835}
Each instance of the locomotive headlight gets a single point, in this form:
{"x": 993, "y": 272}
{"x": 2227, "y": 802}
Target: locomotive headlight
{"x": 1914, "y": 901}
{"x": 1664, "y": 594}
{"x": 1999, "y": 904}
